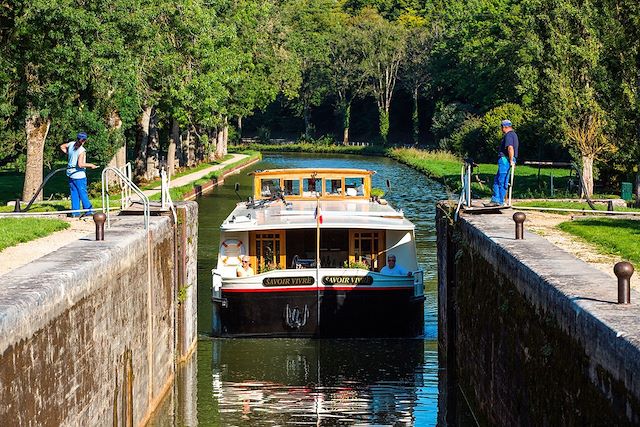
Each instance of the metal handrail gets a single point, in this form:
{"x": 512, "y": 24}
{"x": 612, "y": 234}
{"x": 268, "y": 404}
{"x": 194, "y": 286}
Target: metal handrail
{"x": 165, "y": 195}
{"x": 131, "y": 185}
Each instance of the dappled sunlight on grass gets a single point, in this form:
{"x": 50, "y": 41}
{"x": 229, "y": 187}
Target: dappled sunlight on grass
{"x": 20, "y": 230}
{"x": 610, "y": 235}
{"x": 446, "y": 167}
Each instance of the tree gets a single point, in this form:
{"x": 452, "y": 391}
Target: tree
{"x": 415, "y": 70}
{"x": 50, "y": 51}
{"x": 570, "y": 92}
{"x": 347, "y": 69}
{"x": 386, "y": 49}
{"x": 311, "y": 24}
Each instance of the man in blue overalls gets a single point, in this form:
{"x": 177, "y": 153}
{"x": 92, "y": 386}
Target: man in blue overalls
{"x": 508, "y": 154}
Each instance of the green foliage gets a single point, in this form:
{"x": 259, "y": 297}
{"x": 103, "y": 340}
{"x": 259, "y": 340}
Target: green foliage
{"x": 446, "y": 119}
{"x": 356, "y": 264}
{"x": 446, "y": 168}
{"x": 21, "y": 230}
{"x": 377, "y": 192}
{"x": 467, "y": 139}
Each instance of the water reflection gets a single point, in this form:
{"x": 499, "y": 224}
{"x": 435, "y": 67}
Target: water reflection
{"x": 328, "y": 382}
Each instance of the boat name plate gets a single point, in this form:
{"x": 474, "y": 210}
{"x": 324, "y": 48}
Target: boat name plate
{"x": 347, "y": 280}
{"x": 288, "y": 281}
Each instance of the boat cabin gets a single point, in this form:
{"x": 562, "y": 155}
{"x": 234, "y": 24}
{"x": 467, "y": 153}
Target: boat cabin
{"x": 316, "y": 240}
{"x": 279, "y": 228}
{"x": 301, "y": 184}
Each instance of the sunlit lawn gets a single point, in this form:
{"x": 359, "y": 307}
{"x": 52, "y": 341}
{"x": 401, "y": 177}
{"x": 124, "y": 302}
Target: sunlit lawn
{"x": 610, "y": 235}
{"x": 57, "y": 187}
{"x": 570, "y": 205}
{"x": 447, "y": 168}
{"x": 20, "y": 230}
{"x": 156, "y": 183}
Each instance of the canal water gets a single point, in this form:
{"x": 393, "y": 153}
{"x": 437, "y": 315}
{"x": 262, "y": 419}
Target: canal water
{"x": 313, "y": 382}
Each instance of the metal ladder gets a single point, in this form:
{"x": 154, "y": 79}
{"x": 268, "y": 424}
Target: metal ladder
{"x": 465, "y": 194}
{"x": 126, "y": 186}
{"x": 165, "y": 195}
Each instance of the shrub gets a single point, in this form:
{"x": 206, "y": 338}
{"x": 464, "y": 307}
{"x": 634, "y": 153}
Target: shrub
{"x": 466, "y": 139}
{"x": 491, "y": 133}
{"x": 446, "y": 118}
{"x": 264, "y": 134}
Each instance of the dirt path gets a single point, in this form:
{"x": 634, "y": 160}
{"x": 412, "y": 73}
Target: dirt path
{"x": 544, "y": 224}
{"x": 192, "y": 177}
{"x": 24, "y": 253}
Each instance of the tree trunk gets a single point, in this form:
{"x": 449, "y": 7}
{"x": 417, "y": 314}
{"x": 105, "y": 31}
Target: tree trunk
{"x": 587, "y": 175}
{"x": 142, "y": 141}
{"x": 37, "y": 130}
{"x": 191, "y": 149}
{"x": 346, "y": 122}
{"x": 225, "y": 137}
{"x": 153, "y": 148}
{"x": 638, "y": 187}
{"x": 240, "y": 129}
{"x": 219, "y": 143}
{"x": 307, "y": 121}
{"x": 384, "y": 124}
{"x": 415, "y": 118}
{"x": 198, "y": 146}
{"x": 174, "y": 138}
{"x": 119, "y": 159}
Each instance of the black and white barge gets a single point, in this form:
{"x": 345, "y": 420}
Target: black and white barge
{"x": 316, "y": 242}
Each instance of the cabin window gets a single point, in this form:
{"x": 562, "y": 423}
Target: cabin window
{"x": 269, "y": 187}
{"x": 367, "y": 247}
{"x": 354, "y": 187}
{"x": 269, "y": 250}
{"x": 332, "y": 187}
{"x": 291, "y": 187}
{"x": 312, "y": 187}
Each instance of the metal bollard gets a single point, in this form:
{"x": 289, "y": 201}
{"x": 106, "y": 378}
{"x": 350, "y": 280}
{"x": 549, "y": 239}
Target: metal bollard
{"x": 99, "y": 218}
{"x": 624, "y": 270}
{"x": 519, "y": 218}
{"x": 16, "y": 208}
{"x": 610, "y": 206}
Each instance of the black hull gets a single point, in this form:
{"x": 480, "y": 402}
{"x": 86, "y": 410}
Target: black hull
{"x": 343, "y": 313}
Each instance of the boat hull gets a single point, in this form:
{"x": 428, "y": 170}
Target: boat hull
{"x": 352, "y": 312}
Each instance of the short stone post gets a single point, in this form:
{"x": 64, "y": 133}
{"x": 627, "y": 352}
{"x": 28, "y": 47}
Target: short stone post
{"x": 624, "y": 270}
{"x": 519, "y": 218}
{"x": 99, "y": 218}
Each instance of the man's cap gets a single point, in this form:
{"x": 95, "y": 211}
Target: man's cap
{"x": 505, "y": 123}
{"x": 246, "y": 258}
{"x": 82, "y": 135}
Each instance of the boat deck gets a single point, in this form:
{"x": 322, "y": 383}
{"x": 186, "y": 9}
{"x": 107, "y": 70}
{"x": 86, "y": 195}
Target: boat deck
{"x": 301, "y": 214}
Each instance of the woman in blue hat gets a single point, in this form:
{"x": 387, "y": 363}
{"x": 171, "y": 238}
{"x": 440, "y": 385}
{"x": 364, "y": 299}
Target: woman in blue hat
{"x": 76, "y": 172}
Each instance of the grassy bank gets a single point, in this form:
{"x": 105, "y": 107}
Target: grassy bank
{"x": 306, "y": 147}
{"x": 20, "y": 230}
{"x": 156, "y": 183}
{"x": 446, "y": 168}
{"x": 610, "y": 235}
{"x": 57, "y": 187}
{"x": 563, "y": 204}
{"x": 178, "y": 193}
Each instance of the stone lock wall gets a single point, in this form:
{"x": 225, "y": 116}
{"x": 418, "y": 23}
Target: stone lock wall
{"x": 529, "y": 334}
{"x": 89, "y": 333}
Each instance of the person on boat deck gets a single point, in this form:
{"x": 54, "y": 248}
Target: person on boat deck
{"x": 392, "y": 269}
{"x": 245, "y": 270}
{"x": 507, "y": 155}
